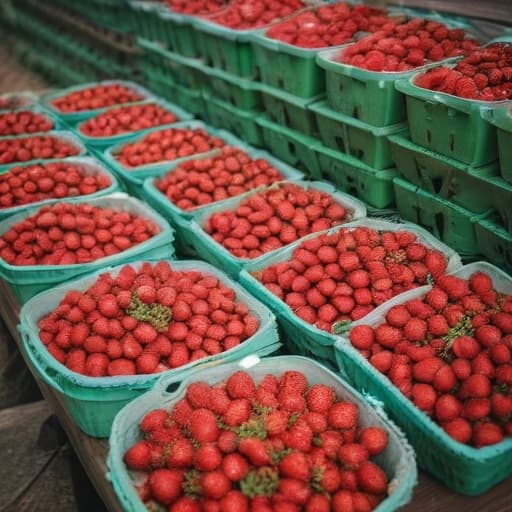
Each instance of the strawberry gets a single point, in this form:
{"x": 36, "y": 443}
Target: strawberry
{"x": 254, "y": 449}
{"x": 374, "y": 439}
{"x": 235, "y": 467}
{"x": 276, "y": 422}
{"x": 343, "y": 415}
{"x": 153, "y": 420}
{"x": 352, "y": 455}
{"x": 240, "y": 385}
{"x": 198, "y": 395}
{"x": 181, "y": 454}
{"x": 426, "y": 370}
{"x": 165, "y": 485}
{"x": 234, "y": 501}
{"x": 487, "y": 433}
{"x": 295, "y": 465}
{"x": 362, "y": 337}
{"x": 203, "y": 426}
{"x": 296, "y": 491}
{"x": 372, "y": 478}
{"x": 138, "y": 456}
{"x": 215, "y": 484}
{"x": 207, "y": 457}
{"x": 238, "y": 412}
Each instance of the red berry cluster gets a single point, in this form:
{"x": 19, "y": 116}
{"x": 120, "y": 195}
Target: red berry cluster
{"x": 407, "y": 46}
{"x": 330, "y": 25}
{"x": 145, "y": 321}
{"x": 23, "y": 149}
{"x": 273, "y": 218}
{"x": 449, "y": 352}
{"x": 33, "y": 183}
{"x": 24, "y": 121}
{"x": 127, "y": 119}
{"x": 198, "y": 182}
{"x": 195, "y": 6}
{"x": 99, "y": 96}
{"x": 14, "y": 101}
{"x": 334, "y": 279}
{"x": 484, "y": 75}
{"x": 276, "y": 445}
{"x": 165, "y": 145}
{"x": 68, "y": 234}
{"x": 249, "y": 14}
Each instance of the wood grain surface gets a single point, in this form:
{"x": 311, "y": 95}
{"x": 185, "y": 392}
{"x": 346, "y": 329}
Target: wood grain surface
{"x": 430, "y": 495}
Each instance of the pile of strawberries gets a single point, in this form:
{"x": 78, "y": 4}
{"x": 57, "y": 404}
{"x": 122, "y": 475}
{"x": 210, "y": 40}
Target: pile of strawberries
{"x": 484, "y": 75}
{"x": 23, "y": 149}
{"x": 273, "y": 218}
{"x": 196, "y": 183}
{"x": 166, "y": 145}
{"x": 277, "y": 445}
{"x": 407, "y": 46}
{"x": 33, "y": 183}
{"x": 127, "y": 119}
{"x": 195, "y": 6}
{"x": 449, "y": 352}
{"x": 332, "y": 280}
{"x": 330, "y": 25}
{"x": 250, "y": 14}
{"x": 98, "y": 96}
{"x": 145, "y": 321}
{"x": 68, "y": 234}
{"x": 24, "y": 121}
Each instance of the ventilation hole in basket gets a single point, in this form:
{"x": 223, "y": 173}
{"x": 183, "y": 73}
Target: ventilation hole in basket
{"x": 292, "y": 149}
{"x": 358, "y": 153}
{"x": 429, "y": 137}
{"x": 341, "y": 86}
{"x": 439, "y": 224}
{"x": 437, "y": 184}
{"x": 355, "y": 112}
{"x": 452, "y": 142}
{"x": 280, "y": 82}
{"x": 286, "y": 118}
{"x": 340, "y": 143}
{"x": 171, "y": 388}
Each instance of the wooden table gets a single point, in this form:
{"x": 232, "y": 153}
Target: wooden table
{"x": 429, "y": 495}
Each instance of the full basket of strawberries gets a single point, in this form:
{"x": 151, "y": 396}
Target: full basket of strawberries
{"x": 103, "y": 339}
{"x": 439, "y": 358}
{"x": 282, "y": 434}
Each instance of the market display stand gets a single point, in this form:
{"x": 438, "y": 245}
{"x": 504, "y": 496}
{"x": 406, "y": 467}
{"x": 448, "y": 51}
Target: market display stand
{"x": 429, "y": 496}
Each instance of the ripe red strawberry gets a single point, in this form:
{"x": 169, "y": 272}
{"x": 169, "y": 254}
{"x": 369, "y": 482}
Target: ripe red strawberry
{"x": 254, "y": 449}
{"x": 480, "y": 283}
{"x": 320, "y": 398}
{"x": 238, "y": 412}
{"x": 154, "y": 420}
{"x": 235, "y": 467}
{"x": 207, "y": 457}
{"x": 398, "y": 316}
{"x": 352, "y": 455}
{"x": 293, "y": 490}
{"x": 387, "y": 336}
{"x": 293, "y": 382}
{"x": 295, "y": 465}
{"x": 181, "y": 454}
{"x": 138, "y": 456}
{"x": 343, "y": 415}
{"x": 203, "y": 426}
{"x": 487, "y": 433}
{"x": 299, "y": 436}
{"x": 374, "y": 439}
{"x": 181, "y": 413}
{"x": 234, "y": 501}
{"x": 240, "y": 385}
{"x": 165, "y": 485}
{"x": 362, "y": 337}
{"x": 215, "y": 484}
{"x": 198, "y": 395}
{"x": 276, "y": 422}
{"x": 425, "y": 370}
{"x": 372, "y": 478}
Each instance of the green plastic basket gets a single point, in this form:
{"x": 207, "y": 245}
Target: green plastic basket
{"x": 352, "y": 176}
{"x": 300, "y": 336}
{"x": 104, "y": 142}
{"x": 288, "y": 68}
{"x": 495, "y": 243}
{"x": 19, "y": 100}
{"x": 67, "y": 136}
{"x": 219, "y": 256}
{"x": 223, "y": 48}
{"x": 241, "y": 122}
{"x": 397, "y": 460}
{"x": 160, "y": 63}
{"x": 89, "y": 166}
{"x": 366, "y": 95}
{"x": 94, "y": 402}
{"x": 28, "y": 280}
{"x": 449, "y": 125}
{"x": 75, "y": 117}
{"x": 464, "y": 469}
{"x": 480, "y": 190}
{"x": 290, "y": 111}
{"x": 148, "y": 23}
{"x": 446, "y": 220}
{"x": 501, "y": 118}
{"x": 136, "y": 177}
{"x": 292, "y": 147}
{"x": 239, "y": 92}
{"x": 367, "y": 143}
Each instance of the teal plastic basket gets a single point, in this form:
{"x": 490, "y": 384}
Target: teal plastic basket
{"x": 449, "y": 125}
{"x": 179, "y": 218}
{"x": 495, "y": 243}
{"x": 94, "y": 401}
{"x": 241, "y": 122}
{"x": 464, "y": 469}
{"x": 452, "y": 224}
{"x": 369, "y": 96}
{"x": 480, "y": 190}
{"x": 219, "y": 256}
{"x": 290, "y": 111}
{"x": 149, "y": 24}
{"x": 301, "y": 337}
{"x": 28, "y": 280}
{"x": 67, "y": 136}
{"x": 89, "y": 166}
{"x": 292, "y": 147}
{"x": 350, "y": 175}
{"x": 17, "y": 100}
{"x": 136, "y": 176}
{"x": 75, "y": 117}
{"x": 104, "y": 142}
{"x": 397, "y": 459}
{"x": 502, "y": 120}
{"x": 367, "y": 143}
